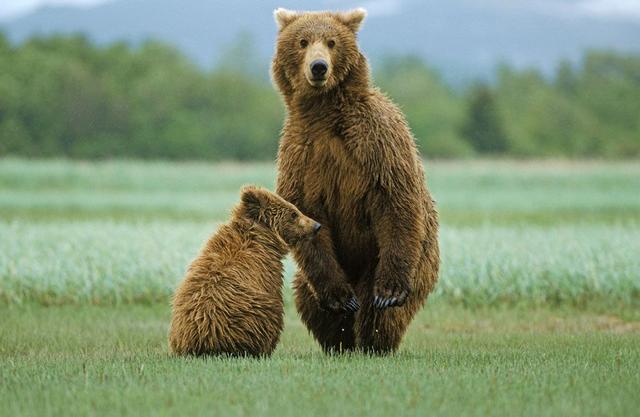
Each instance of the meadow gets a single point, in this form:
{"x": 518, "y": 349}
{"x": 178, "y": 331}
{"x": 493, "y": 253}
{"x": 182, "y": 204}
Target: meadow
{"x": 536, "y": 311}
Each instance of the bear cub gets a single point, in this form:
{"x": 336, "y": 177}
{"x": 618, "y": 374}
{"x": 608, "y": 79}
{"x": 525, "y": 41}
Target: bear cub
{"x": 230, "y": 301}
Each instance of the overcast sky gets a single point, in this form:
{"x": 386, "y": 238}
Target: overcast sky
{"x": 627, "y": 9}
{"x": 12, "y": 8}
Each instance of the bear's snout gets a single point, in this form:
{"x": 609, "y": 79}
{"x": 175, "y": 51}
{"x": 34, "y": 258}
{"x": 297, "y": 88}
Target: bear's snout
{"x": 317, "y": 64}
{"x": 319, "y": 68}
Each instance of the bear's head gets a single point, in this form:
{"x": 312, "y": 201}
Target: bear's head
{"x": 272, "y": 211}
{"x": 316, "y": 51}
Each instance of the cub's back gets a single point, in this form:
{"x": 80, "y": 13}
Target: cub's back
{"x": 230, "y": 301}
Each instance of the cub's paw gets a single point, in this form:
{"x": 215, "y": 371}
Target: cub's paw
{"x": 339, "y": 299}
{"x": 390, "y": 293}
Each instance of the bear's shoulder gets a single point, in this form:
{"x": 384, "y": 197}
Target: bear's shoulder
{"x": 376, "y": 125}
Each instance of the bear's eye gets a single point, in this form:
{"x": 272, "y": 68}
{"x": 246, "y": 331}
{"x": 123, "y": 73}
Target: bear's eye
{"x": 304, "y": 43}
{"x": 294, "y": 215}
{"x": 331, "y": 43}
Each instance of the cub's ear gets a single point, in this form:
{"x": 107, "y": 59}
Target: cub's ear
{"x": 353, "y": 18}
{"x": 251, "y": 201}
{"x": 284, "y": 17}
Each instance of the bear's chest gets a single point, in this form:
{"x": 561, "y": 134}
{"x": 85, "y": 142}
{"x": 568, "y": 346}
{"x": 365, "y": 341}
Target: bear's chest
{"x": 332, "y": 175}
{"x": 334, "y": 182}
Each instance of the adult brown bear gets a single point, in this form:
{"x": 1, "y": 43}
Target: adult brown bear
{"x": 348, "y": 159}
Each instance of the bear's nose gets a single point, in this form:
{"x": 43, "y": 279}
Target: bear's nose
{"x": 316, "y": 227}
{"x": 319, "y": 68}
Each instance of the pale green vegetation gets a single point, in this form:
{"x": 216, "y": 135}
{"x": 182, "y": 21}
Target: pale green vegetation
{"x": 124, "y": 231}
{"x": 106, "y": 262}
{"x": 536, "y": 312}
{"x": 467, "y": 192}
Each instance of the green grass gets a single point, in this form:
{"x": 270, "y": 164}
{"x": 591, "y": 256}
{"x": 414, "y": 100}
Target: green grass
{"x": 80, "y": 360}
{"x": 536, "y": 312}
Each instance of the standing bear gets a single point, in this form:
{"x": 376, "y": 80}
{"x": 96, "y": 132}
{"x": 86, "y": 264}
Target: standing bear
{"x": 348, "y": 159}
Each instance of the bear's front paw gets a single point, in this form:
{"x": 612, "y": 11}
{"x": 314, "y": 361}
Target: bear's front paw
{"x": 390, "y": 293}
{"x": 339, "y": 298}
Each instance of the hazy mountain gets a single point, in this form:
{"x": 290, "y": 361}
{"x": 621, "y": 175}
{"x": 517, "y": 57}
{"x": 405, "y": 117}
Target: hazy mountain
{"x": 463, "y": 38}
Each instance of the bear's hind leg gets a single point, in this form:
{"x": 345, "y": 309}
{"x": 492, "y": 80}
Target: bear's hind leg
{"x": 333, "y": 330}
{"x": 380, "y": 331}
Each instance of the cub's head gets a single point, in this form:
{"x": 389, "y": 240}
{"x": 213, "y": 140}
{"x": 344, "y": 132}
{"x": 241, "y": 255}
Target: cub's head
{"x": 272, "y": 211}
{"x": 315, "y": 51}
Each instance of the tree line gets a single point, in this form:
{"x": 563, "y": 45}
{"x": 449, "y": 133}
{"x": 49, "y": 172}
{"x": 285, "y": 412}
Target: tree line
{"x": 63, "y": 96}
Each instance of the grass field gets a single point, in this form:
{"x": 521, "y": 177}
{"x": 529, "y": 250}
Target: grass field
{"x": 112, "y": 361}
{"x": 537, "y": 311}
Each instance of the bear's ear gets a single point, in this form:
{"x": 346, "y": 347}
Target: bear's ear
{"x": 284, "y": 17}
{"x": 353, "y": 18}
{"x": 251, "y": 201}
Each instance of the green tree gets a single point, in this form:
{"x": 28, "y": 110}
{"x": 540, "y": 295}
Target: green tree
{"x": 483, "y": 127}
{"x": 609, "y": 88}
{"x": 65, "y": 96}
{"x": 432, "y": 109}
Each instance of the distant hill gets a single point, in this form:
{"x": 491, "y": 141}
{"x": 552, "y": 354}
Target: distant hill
{"x": 464, "y": 39}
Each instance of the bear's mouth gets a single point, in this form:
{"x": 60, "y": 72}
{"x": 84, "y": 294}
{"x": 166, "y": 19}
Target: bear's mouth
{"x": 317, "y": 82}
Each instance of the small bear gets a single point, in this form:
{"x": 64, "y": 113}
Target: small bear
{"x": 230, "y": 301}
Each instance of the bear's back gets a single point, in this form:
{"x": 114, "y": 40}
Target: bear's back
{"x": 230, "y": 301}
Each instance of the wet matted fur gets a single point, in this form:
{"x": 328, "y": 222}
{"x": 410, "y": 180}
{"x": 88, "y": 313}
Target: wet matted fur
{"x": 348, "y": 159}
{"x": 230, "y": 301}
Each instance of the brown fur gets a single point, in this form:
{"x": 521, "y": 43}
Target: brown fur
{"x": 348, "y": 159}
{"x": 230, "y": 301}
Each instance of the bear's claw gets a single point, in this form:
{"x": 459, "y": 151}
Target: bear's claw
{"x": 382, "y": 302}
{"x": 352, "y": 305}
